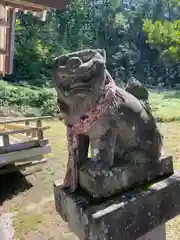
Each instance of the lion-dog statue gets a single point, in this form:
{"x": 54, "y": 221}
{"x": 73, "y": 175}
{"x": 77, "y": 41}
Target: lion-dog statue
{"x": 116, "y": 123}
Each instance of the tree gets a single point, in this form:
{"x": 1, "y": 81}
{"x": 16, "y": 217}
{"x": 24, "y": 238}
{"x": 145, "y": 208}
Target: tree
{"x": 139, "y": 41}
{"x": 165, "y": 37}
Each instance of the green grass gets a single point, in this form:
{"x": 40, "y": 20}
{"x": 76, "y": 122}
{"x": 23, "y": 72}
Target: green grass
{"x": 165, "y": 105}
{"x": 26, "y": 222}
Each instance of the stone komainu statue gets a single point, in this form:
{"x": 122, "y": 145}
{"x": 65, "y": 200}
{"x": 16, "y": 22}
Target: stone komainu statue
{"x": 116, "y": 123}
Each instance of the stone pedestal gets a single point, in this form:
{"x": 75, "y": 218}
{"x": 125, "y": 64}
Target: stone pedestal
{"x": 158, "y": 233}
{"x": 129, "y": 216}
{"x": 100, "y": 181}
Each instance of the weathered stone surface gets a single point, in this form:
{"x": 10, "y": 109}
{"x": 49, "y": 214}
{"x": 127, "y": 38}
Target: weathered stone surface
{"x": 126, "y": 217}
{"x": 158, "y": 233}
{"x": 100, "y": 181}
{"x": 117, "y": 122}
{"x": 72, "y": 208}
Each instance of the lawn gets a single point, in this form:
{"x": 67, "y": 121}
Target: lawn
{"x": 31, "y": 198}
{"x": 165, "y": 105}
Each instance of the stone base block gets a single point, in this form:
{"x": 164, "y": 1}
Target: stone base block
{"x": 158, "y": 233}
{"x": 125, "y": 217}
{"x": 100, "y": 181}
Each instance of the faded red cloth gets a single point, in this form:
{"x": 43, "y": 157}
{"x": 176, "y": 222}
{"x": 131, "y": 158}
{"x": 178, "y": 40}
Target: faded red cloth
{"x": 82, "y": 126}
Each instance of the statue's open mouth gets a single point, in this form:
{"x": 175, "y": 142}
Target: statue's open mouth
{"x": 78, "y": 86}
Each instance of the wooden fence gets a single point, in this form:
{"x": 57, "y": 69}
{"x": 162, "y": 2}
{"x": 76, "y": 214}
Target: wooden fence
{"x": 32, "y": 147}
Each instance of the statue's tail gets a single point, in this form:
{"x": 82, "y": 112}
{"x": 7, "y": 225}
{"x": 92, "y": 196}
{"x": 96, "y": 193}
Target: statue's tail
{"x": 136, "y": 88}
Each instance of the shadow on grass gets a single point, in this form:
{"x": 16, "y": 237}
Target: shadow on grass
{"x": 11, "y": 184}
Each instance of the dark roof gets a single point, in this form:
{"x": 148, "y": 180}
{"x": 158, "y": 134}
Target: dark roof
{"x": 37, "y": 5}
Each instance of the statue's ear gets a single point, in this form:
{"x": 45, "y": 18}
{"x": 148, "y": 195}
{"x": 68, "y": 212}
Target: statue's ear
{"x": 103, "y": 53}
{"x": 58, "y": 61}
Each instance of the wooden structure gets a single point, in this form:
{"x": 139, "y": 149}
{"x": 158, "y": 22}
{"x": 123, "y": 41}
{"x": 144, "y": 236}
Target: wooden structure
{"x": 36, "y": 146}
{"x": 29, "y": 145}
{"x": 8, "y": 9}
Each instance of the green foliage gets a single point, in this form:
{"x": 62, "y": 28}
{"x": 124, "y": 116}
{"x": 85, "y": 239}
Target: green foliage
{"x": 102, "y": 24}
{"x": 25, "y": 101}
{"x": 29, "y": 102}
{"x": 165, "y": 36}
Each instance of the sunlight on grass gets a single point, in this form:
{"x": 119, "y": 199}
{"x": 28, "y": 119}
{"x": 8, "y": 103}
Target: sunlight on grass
{"x": 171, "y": 134}
{"x": 26, "y": 222}
{"x": 165, "y": 104}
{"x": 173, "y": 229}
{"x": 57, "y": 136}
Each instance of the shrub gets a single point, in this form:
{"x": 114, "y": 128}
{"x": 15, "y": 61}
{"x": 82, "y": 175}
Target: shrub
{"x": 28, "y": 101}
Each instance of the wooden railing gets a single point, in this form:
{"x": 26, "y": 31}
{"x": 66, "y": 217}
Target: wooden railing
{"x": 16, "y": 127}
{"x": 36, "y": 144}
